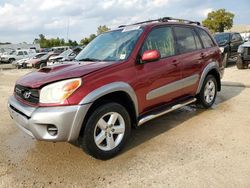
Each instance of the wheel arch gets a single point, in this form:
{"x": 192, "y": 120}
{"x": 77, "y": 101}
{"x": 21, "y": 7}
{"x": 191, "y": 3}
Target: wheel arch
{"x": 212, "y": 69}
{"x": 119, "y": 92}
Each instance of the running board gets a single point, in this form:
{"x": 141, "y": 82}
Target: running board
{"x": 170, "y": 109}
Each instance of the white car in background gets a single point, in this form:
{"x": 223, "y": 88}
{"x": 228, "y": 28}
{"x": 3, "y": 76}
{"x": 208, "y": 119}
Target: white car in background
{"x": 67, "y": 55}
{"x": 17, "y": 55}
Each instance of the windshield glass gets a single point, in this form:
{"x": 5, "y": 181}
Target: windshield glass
{"x": 12, "y": 53}
{"x": 222, "y": 38}
{"x": 38, "y": 56}
{"x": 111, "y": 46}
{"x": 66, "y": 53}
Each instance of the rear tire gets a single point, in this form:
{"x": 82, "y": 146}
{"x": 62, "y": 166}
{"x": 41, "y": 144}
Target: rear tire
{"x": 42, "y": 65}
{"x": 240, "y": 64}
{"x": 208, "y": 92}
{"x": 106, "y": 131}
{"x": 11, "y": 61}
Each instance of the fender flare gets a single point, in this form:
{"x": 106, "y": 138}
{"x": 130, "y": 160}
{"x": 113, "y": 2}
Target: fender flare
{"x": 110, "y": 88}
{"x": 211, "y": 66}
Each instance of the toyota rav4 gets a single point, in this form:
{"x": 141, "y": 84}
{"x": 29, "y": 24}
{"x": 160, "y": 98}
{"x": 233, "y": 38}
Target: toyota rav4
{"x": 122, "y": 79}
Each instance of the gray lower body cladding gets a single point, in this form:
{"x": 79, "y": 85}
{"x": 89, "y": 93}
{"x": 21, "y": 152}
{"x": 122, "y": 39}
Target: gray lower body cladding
{"x": 67, "y": 120}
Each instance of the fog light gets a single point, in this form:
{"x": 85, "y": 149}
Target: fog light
{"x": 52, "y": 130}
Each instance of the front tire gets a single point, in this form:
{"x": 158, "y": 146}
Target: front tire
{"x": 106, "y": 131}
{"x": 208, "y": 92}
{"x": 225, "y": 59}
{"x": 240, "y": 64}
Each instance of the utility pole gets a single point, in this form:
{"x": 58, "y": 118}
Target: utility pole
{"x": 67, "y": 37}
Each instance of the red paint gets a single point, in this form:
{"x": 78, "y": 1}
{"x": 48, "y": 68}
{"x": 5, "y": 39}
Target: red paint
{"x": 141, "y": 77}
{"x": 151, "y": 55}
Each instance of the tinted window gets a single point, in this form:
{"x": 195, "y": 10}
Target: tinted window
{"x": 236, "y": 37}
{"x": 222, "y": 38}
{"x": 20, "y": 53}
{"x": 185, "y": 39}
{"x": 25, "y": 53}
{"x": 206, "y": 39}
{"x": 197, "y": 41}
{"x": 160, "y": 39}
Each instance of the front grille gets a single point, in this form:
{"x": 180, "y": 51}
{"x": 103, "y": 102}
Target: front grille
{"x": 27, "y": 94}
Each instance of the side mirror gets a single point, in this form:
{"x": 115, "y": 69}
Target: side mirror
{"x": 151, "y": 55}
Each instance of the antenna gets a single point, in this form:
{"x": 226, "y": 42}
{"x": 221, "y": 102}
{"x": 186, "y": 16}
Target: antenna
{"x": 67, "y": 37}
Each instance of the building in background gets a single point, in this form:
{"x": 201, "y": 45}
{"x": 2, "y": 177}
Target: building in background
{"x": 244, "y": 30}
{"x": 20, "y": 46}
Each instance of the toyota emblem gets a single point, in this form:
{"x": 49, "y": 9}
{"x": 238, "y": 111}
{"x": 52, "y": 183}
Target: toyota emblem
{"x": 26, "y": 94}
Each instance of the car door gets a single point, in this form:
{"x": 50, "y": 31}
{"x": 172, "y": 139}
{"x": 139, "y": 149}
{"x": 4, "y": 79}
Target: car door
{"x": 156, "y": 80}
{"x": 235, "y": 42}
{"x": 20, "y": 55}
{"x": 25, "y": 54}
{"x": 190, "y": 52}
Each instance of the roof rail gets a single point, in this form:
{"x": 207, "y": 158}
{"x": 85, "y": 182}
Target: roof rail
{"x": 164, "y": 19}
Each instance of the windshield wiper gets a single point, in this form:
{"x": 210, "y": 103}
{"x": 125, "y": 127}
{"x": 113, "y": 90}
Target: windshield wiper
{"x": 89, "y": 59}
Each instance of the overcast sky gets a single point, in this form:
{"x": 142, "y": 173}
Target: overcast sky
{"x": 24, "y": 20}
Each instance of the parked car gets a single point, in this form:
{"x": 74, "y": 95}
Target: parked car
{"x": 243, "y": 59}
{"x": 122, "y": 79}
{"x": 59, "y": 49}
{"x": 67, "y": 55}
{"x": 40, "y": 61}
{"x": 22, "y": 63}
{"x": 229, "y": 43}
{"x": 17, "y": 55}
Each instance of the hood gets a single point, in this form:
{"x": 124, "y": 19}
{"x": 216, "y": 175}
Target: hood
{"x": 62, "y": 71}
{"x": 246, "y": 44}
{"x": 56, "y": 57}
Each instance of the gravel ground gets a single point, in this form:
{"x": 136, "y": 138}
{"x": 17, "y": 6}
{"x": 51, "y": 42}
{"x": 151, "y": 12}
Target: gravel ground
{"x": 187, "y": 148}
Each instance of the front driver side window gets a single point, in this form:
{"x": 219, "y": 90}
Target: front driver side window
{"x": 160, "y": 39}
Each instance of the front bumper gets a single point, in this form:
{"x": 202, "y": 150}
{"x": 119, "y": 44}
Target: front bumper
{"x": 36, "y": 120}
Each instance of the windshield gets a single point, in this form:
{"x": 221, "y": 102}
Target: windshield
{"x": 38, "y": 56}
{"x": 111, "y": 46}
{"x": 66, "y": 53}
{"x": 12, "y": 53}
{"x": 222, "y": 38}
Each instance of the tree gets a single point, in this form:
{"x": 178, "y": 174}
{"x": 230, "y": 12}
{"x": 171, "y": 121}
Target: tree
{"x": 48, "y": 43}
{"x": 87, "y": 40}
{"x": 219, "y": 20}
{"x": 101, "y": 29}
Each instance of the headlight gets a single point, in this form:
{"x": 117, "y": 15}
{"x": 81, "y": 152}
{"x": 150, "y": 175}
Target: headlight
{"x": 59, "y": 91}
{"x": 222, "y": 49}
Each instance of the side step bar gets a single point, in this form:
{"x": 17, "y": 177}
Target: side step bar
{"x": 170, "y": 109}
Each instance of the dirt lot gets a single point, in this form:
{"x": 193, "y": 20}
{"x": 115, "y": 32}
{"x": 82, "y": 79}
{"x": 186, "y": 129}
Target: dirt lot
{"x": 187, "y": 148}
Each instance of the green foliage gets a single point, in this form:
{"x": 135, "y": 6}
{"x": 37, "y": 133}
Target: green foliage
{"x": 87, "y": 40}
{"x": 101, "y": 29}
{"x": 219, "y": 20}
{"x": 48, "y": 43}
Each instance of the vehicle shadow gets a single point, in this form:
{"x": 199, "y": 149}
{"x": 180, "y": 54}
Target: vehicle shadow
{"x": 169, "y": 121}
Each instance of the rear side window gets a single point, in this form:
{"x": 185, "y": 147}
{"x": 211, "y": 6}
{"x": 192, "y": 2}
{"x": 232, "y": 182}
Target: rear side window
{"x": 236, "y": 37}
{"x": 186, "y": 40}
{"x": 160, "y": 39}
{"x": 206, "y": 39}
{"x": 25, "y": 53}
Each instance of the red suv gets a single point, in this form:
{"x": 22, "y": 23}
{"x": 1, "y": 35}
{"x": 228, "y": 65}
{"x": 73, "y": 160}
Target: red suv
{"x": 123, "y": 78}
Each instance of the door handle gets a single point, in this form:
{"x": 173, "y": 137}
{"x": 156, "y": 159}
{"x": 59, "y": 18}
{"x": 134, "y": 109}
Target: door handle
{"x": 202, "y": 56}
{"x": 175, "y": 62}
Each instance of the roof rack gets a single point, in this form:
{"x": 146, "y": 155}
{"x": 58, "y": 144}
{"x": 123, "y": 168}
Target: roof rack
{"x": 164, "y": 19}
